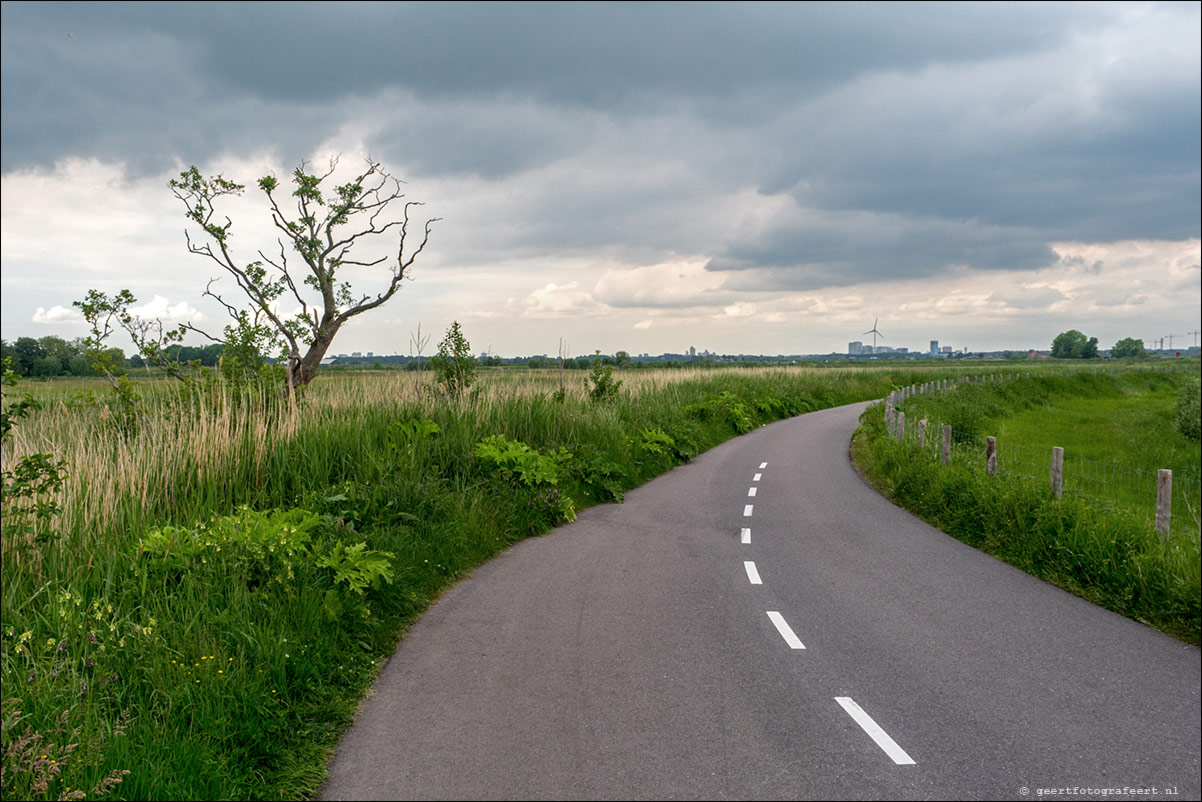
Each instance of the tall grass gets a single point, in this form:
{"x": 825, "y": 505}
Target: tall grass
{"x": 201, "y": 639}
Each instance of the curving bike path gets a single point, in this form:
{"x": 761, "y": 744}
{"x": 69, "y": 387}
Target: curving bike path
{"x": 761, "y": 624}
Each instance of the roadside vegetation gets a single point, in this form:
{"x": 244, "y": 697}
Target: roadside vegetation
{"x": 201, "y": 580}
{"x": 1098, "y": 539}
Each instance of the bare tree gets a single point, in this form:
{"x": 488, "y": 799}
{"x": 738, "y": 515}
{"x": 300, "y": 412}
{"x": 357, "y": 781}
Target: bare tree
{"x": 323, "y": 232}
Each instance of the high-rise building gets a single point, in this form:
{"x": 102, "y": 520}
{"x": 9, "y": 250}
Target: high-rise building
{"x": 934, "y": 347}
{"x": 855, "y": 348}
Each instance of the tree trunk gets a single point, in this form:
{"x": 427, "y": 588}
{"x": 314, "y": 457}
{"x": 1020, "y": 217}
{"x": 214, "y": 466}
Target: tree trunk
{"x": 311, "y": 361}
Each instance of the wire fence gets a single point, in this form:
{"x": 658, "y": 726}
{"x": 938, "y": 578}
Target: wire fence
{"x": 1123, "y": 487}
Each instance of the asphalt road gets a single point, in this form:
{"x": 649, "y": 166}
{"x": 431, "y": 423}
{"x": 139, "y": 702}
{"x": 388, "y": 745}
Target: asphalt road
{"x": 635, "y": 654}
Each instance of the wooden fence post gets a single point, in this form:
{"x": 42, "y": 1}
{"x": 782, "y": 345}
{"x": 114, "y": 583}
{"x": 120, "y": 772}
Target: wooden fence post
{"x": 991, "y": 456}
{"x": 1164, "y": 500}
{"x": 901, "y": 426}
{"x": 1057, "y": 471}
{"x": 947, "y": 444}
{"x": 922, "y": 432}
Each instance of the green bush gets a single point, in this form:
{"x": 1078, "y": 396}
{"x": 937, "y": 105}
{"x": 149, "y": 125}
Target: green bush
{"x": 454, "y": 364}
{"x": 604, "y": 386}
{"x": 1189, "y": 411}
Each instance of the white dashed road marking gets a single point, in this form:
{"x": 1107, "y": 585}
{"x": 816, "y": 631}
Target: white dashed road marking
{"x": 753, "y": 576}
{"x": 747, "y": 511}
{"x": 785, "y": 630}
{"x": 745, "y": 535}
{"x": 874, "y": 731}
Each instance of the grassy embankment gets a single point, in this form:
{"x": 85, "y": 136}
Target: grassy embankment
{"x": 226, "y": 574}
{"x": 1098, "y": 540}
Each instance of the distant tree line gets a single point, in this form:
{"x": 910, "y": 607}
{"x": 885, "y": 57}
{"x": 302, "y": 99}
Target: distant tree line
{"x": 49, "y": 356}
{"x": 46, "y": 357}
{"x": 1072, "y": 344}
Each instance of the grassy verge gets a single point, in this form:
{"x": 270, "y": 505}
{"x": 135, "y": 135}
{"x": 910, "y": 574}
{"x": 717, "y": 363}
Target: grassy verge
{"x": 226, "y": 574}
{"x": 1089, "y": 542}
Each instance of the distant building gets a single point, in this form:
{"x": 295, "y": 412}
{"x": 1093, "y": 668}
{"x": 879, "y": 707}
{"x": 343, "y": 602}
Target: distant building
{"x": 855, "y": 348}
{"x": 866, "y": 349}
{"x": 934, "y": 347}
{"x": 692, "y": 351}
{"x": 947, "y": 349}
{"x": 356, "y": 354}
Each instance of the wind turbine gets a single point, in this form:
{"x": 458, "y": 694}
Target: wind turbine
{"x": 874, "y": 334}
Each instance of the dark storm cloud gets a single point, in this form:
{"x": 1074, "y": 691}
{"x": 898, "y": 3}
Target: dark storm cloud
{"x": 841, "y": 249}
{"x": 83, "y": 78}
{"x": 907, "y": 137}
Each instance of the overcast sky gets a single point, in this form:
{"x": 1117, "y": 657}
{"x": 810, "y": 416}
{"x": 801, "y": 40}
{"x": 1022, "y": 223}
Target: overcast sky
{"x": 741, "y": 178}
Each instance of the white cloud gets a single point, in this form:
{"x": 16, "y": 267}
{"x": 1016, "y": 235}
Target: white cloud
{"x": 57, "y": 314}
{"x": 159, "y": 308}
{"x": 1023, "y": 296}
{"x": 740, "y": 309}
{"x": 671, "y": 284}
{"x": 554, "y": 300}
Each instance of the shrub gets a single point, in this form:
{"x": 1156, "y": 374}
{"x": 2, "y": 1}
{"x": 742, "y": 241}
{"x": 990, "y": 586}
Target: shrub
{"x": 604, "y": 388}
{"x": 1189, "y": 411}
{"x": 533, "y": 475}
{"x": 454, "y": 364}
